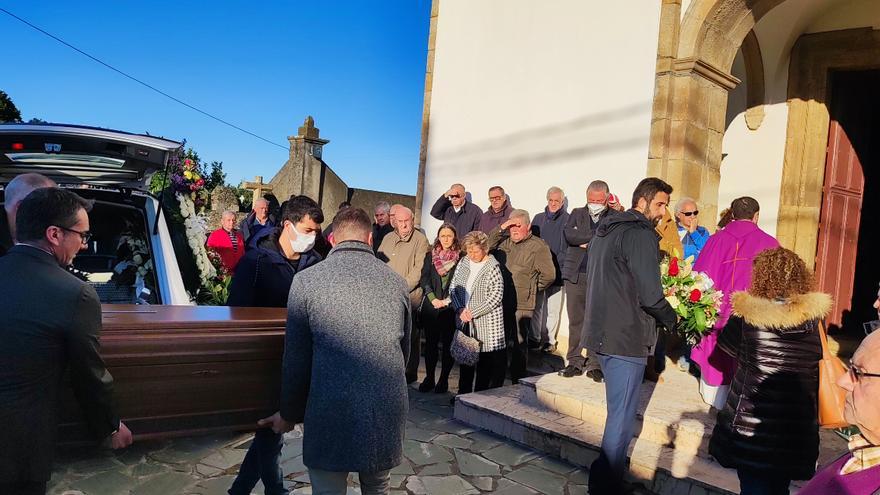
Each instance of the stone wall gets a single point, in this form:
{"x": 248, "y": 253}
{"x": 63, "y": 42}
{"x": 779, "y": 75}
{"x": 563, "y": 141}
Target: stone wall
{"x": 367, "y": 199}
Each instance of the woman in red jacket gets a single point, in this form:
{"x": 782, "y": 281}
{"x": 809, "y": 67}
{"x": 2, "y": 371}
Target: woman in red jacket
{"x": 227, "y": 241}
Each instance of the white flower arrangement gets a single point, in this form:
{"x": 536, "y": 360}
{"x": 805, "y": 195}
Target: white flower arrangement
{"x": 196, "y": 234}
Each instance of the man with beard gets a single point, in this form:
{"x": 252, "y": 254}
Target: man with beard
{"x": 624, "y": 306}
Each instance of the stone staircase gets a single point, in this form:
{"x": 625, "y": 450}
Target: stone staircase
{"x": 565, "y": 417}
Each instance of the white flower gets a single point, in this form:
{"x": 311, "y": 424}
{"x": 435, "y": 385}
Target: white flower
{"x": 673, "y": 301}
{"x": 138, "y": 259}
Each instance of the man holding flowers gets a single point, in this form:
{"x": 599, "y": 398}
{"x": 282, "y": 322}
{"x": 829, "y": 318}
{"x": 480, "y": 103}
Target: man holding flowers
{"x": 624, "y": 305}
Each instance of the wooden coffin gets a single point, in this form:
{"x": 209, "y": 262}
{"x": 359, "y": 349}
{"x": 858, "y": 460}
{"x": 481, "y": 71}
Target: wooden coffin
{"x": 180, "y": 370}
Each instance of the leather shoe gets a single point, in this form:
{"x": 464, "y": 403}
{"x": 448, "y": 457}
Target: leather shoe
{"x": 442, "y": 387}
{"x": 570, "y": 371}
{"x": 596, "y": 375}
{"x": 427, "y": 385}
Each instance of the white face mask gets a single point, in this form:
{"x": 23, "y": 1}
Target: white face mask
{"x": 595, "y": 209}
{"x": 303, "y": 242}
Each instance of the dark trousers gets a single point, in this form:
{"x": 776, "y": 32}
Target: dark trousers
{"x": 575, "y": 305}
{"x": 623, "y": 380}
{"x": 518, "y": 344}
{"x": 438, "y": 332}
{"x": 762, "y": 484}
{"x": 415, "y": 352}
{"x": 490, "y": 371}
{"x": 261, "y": 463}
{"x": 660, "y": 351}
{"x": 24, "y": 488}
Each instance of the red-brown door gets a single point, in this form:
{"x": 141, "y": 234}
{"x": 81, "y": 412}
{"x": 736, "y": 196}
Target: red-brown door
{"x": 841, "y": 261}
{"x": 839, "y": 223}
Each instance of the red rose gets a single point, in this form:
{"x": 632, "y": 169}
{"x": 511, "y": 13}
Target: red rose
{"x": 696, "y": 295}
{"x": 673, "y": 267}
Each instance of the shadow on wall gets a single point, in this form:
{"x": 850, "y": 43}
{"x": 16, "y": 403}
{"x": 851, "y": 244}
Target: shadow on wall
{"x": 602, "y": 132}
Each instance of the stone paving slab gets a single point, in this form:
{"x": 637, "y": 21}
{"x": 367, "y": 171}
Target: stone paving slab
{"x": 442, "y": 456}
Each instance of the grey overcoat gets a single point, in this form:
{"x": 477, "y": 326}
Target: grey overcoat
{"x": 348, "y": 327}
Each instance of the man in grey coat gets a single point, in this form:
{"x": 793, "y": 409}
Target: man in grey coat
{"x": 348, "y": 328}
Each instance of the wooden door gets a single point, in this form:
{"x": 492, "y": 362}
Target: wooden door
{"x": 849, "y": 150}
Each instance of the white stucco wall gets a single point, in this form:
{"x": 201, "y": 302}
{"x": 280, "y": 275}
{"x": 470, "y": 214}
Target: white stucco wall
{"x": 753, "y": 162}
{"x": 528, "y": 95}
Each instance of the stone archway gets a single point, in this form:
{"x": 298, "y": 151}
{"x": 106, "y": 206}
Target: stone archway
{"x": 695, "y": 54}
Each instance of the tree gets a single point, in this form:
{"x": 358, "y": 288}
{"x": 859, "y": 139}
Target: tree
{"x": 8, "y": 111}
{"x": 216, "y": 177}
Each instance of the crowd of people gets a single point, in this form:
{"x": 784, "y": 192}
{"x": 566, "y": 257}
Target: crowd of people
{"x": 361, "y": 309}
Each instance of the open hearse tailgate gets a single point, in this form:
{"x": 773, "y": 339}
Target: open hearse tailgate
{"x": 72, "y": 154}
{"x": 181, "y": 370}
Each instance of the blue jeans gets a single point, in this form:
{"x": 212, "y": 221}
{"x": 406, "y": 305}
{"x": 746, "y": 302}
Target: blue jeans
{"x": 261, "y": 463}
{"x": 623, "y": 380}
{"x": 751, "y": 483}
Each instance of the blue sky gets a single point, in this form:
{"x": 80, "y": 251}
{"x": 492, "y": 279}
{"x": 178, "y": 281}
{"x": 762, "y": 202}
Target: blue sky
{"x": 358, "y": 67}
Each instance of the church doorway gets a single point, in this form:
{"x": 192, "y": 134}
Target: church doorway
{"x": 846, "y": 263}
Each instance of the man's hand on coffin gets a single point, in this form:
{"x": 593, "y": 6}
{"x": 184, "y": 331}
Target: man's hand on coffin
{"x": 121, "y": 438}
{"x": 277, "y": 423}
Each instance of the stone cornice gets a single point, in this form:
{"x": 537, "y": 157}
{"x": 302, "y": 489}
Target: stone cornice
{"x": 706, "y": 70}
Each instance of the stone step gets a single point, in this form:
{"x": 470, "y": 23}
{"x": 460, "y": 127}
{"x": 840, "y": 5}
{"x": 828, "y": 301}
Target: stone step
{"x": 670, "y": 413}
{"x": 661, "y": 469}
{"x": 673, "y": 433}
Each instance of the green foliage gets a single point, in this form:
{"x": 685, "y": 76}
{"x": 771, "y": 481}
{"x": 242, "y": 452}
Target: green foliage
{"x": 245, "y": 198}
{"x": 216, "y": 177}
{"x": 8, "y": 111}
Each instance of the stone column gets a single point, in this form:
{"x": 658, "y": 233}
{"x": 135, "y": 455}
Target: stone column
{"x": 302, "y": 172}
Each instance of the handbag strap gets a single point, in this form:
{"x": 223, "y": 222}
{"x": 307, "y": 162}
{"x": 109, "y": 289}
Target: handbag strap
{"x": 826, "y": 354}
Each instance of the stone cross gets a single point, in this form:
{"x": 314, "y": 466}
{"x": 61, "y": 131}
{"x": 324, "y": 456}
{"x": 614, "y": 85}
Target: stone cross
{"x": 258, "y": 187}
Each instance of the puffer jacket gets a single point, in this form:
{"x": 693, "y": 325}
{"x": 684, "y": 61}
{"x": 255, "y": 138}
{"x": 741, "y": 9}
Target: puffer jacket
{"x": 769, "y": 422}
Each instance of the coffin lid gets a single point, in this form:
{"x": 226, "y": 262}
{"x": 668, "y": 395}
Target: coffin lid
{"x": 73, "y": 154}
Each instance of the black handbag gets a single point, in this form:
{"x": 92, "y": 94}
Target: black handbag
{"x": 465, "y": 349}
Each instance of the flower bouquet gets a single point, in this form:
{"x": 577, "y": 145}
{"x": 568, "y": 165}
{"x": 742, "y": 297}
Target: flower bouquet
{"x": 693, "y": 297}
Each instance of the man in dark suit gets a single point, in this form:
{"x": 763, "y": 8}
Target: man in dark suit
{"x": 578, "y": 233}
{"x": 49, "y": 321}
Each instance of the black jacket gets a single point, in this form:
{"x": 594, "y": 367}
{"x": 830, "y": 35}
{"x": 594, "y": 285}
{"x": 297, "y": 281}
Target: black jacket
{"x": 579, "y": 230}
{"x": 625, "y": 300}
{"x": 432, "y": 282}
{"x": 769, "y": 422}
{"x": 5, "y": 236}
{"x": 550, "y": 228}
{"x": 263, "y": 276}
{"x": 248, "y": 231}
{"x": 49, "y": 321}
{"x": 465, "y": 221}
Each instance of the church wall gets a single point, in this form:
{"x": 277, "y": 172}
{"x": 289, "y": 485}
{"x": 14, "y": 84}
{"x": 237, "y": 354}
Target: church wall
{"x": 754, "y": 159}
{"x": 333, "y": 192}
{"x": 528, "y": 96}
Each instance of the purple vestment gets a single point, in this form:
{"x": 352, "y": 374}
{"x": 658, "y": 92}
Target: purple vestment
{"x": 727, "y": 259}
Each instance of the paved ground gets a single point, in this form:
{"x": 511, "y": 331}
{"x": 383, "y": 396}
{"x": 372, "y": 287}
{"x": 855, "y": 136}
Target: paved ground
{"x": 442, "y": 457}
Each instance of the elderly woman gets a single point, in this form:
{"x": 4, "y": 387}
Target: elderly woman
{"x": 437, "y": 316}
{"x": 693, "y": 235}
{"x": 476, "y": 292}
{"x": 768, "y": 428}
{"x": 227, "y": 241}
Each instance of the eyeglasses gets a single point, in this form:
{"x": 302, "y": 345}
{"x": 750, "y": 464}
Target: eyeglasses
{"x": 495, "y": 198}
{"x": 691, "y": 213}
{"x": 454, "y": 196}
{"x": 85, "y": 236}
{"x": 857, "y": 374}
